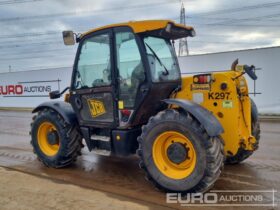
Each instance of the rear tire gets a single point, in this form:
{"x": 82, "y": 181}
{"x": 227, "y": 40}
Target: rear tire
{"x": 209, "y": 159}
{"x": 242, "y": 154}
{"x": 67, "y": 141}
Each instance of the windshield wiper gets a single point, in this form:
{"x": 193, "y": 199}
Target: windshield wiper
{"x": 166, "y": 71}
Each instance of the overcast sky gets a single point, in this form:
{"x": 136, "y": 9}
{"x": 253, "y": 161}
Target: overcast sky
{"x": 31, "y": 29}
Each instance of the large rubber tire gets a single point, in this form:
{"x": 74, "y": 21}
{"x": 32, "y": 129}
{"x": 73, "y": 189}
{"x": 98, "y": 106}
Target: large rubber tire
{"x": 210, "y": 155}
{"x": 70, "y": 139}
{"x": 242, "y": 154}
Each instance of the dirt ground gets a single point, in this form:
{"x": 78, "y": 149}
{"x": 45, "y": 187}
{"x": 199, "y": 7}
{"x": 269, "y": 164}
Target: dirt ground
{"x": 98, "y": 182}
{"x": 20, "y": 191}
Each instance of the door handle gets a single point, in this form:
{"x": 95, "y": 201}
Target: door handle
{"x": 144, "y": 89}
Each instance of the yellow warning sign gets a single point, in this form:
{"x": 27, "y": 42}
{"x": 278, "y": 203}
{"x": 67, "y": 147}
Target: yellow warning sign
{"x": 96, "y": 107}
{"x": 121, "y": 105}
{"x": 200, "y": 87}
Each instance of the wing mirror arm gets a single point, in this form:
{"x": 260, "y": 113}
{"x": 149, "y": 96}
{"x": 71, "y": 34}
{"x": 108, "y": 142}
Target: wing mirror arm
{"x": 56, "y": 94}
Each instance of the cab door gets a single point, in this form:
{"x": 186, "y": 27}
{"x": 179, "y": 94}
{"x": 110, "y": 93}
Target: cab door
{"x": 131, "y": 73}
{"x": 92, "y": 95}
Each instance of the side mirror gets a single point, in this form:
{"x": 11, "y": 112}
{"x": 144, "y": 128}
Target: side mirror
{"x": 68, "y": 37}
{"x": 54, "y": 94}
{"x": 250, "y": 70}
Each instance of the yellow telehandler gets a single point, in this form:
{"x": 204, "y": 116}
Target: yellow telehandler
{"x": 127, "y": 97}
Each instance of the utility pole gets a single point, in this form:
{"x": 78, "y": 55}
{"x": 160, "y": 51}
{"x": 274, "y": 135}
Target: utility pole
{"x": 10, "y": 68}
{"x": 183, "y": 43}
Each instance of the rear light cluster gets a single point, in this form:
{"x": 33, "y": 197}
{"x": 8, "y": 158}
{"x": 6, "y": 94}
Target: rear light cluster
{"x": 125, "y": 114}
{"x": 202, "y": 79}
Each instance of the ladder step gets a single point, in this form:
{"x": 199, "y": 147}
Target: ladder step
{"x": 102, "y": 152}
{"x": 100, "y": 138}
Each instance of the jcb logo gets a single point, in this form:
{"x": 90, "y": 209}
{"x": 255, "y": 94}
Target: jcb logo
{"x": 96, "y": 108}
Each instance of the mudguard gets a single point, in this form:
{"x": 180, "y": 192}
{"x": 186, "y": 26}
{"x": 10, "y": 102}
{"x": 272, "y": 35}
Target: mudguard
{"x": 62, "y": 108}
{"x": 212, "y": 126}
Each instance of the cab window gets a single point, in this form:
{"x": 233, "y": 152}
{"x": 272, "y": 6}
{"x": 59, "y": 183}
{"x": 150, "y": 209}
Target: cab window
{"x": 93, "y": 68}
{"x": 130, "y": 67}
{"x": 162, "y": 60}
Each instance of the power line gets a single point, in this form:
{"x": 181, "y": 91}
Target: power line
{"x": 198, "y": 15}
{"x": 239, "y": 9}
{"x": 32, "y": 43}
{"x": 58, "y": 32}
{"x": 37, "y": 34}
{"x": 92, "y": 12}
{"x": 218, "y": 11}
{"x": 35, "y": 57}
{"x": 209, "y": 18}
{"x": 28, "y": 41}
{"x": 40, "y": 33}
{"x": 17, "y": 1}
{"x": 38, "y": 68}
{"x": 8, "y": 36}
{"x": 73, "y": 54}
{"x": 220, "y": 42}
{"x": 3, "y": 54}
{"x": 258, "y": 18}
{"x": 237, "y": 25}
{"x": 27, "y": 45}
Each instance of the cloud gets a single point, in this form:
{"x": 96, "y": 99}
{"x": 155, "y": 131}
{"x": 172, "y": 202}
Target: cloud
{"x": 87, "y": 14}
{"x": 276, "y": 42}
{"x": 251, "y": 36}
{"x": 198, "y": 6}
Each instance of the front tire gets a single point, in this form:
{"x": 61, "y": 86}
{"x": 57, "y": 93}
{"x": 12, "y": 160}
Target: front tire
{"x": 56, "y": 143}
{"x": 178, "y": 155}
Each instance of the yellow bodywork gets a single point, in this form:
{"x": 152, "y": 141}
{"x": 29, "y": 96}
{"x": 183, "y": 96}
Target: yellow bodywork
{"x": 231, "y": 106}
{"x": 140, "y": 26}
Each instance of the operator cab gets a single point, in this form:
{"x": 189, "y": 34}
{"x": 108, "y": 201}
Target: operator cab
{"x": 123, "y": 72}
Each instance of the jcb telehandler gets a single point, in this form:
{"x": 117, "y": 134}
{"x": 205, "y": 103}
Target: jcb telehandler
{"x": 127, "y": 96}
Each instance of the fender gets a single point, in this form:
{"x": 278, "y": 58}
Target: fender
{"x": 62, "y": 108}
{"x": 212, "y": 126}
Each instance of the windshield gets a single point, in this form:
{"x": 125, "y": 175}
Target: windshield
{"x": 162, "y": 60}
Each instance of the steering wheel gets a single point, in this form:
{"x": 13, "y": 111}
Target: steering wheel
{"x": 97, "y": 82}
{"x": 250, "y": 71}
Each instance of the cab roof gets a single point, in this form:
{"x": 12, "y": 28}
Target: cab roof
{"x": 141, "y": 26}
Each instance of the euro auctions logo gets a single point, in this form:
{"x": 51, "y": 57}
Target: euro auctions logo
{"x": 225, "y": 198}
{"x": 14, "y": 90}
{"x": 29, "y": 88}
{"x": 11, "y": 90}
